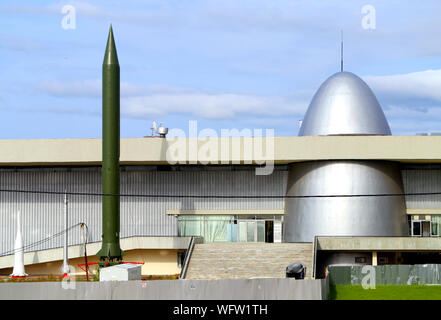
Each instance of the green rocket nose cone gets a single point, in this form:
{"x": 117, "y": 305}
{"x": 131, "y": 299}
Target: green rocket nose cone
{"x": 110, "y": 57}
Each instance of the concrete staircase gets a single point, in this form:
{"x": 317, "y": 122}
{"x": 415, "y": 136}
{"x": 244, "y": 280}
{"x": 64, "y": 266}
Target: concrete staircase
{"x": 247, "y": 260}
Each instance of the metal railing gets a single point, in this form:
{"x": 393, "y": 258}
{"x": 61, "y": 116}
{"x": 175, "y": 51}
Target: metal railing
{"x": 193, "y": 241}
{"x": 314, "y": 256}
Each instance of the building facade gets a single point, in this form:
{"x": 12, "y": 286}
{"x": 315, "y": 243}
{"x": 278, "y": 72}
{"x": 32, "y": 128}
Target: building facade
{"x": 175, "y": 201}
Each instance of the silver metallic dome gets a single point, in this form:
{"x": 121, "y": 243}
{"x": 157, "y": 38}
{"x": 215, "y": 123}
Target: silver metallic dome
{"x": 351, "y": 215}
{"x": 340, "y": 198}
{"x": 344, "y": 104}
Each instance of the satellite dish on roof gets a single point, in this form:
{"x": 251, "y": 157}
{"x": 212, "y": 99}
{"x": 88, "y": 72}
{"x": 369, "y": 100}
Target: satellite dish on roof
{"x": 162, "y": 131}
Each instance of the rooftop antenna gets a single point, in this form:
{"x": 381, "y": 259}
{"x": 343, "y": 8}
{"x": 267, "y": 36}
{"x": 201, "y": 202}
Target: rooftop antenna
{"x": 341, "y": 52}
{"x": 154, "y": 128}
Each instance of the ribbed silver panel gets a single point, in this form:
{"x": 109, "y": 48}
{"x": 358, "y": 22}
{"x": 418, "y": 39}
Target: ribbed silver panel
{"x": 420, "y": 181}
{"x": 42, "y": 215}
{"x": 306, "y": 218}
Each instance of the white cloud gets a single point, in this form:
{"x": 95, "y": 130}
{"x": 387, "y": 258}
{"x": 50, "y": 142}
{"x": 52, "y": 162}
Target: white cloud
{"x": 86, "y": 88}
{"x": 145, "y": 101}
{"x": 211, "y": 106}
{"x": 422, "y": 85}
{"x": 411, "y": 101}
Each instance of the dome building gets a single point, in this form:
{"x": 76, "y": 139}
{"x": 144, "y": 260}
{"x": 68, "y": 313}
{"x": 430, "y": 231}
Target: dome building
{"x": 334, "y": 195}
{"x": 340, "y": 197}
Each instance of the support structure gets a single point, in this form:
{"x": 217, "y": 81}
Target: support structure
{"x": 374, "y": 258}
{"x": 65, "y": 267}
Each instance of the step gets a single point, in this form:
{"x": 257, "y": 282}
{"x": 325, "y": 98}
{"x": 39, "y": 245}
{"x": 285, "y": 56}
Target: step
{"x": 246, "y": 260}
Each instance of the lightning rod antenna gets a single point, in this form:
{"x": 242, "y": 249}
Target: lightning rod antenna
{"x": 341, "y": 52}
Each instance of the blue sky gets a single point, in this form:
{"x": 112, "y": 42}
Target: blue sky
{"x": 227, "y": 64}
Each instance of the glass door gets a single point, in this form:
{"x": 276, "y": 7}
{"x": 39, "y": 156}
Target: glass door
{"x": 260, "y": 232}
{"x": 421, "y": 228}
{"x": 416, "y": 228}
{"x": 251, "y": 230}
{"x": 242, "y": 228}
{"x": 425, "y": 226}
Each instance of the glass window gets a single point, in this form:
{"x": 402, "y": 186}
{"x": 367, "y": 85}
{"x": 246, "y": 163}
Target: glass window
{"x": 216, "y": 228}
{"x": 261, "y": 231}
{"x": 212, "y": 228}
{"x": 189, "y": 226}
{"x": 251, "y": 225}
{"x": 232, "y": 232}
{"x": 436, "y": 221}
{"x": 242, "y": 231}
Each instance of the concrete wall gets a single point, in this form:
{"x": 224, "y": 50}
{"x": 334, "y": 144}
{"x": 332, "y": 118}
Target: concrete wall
{"x": 326, "y": 258}
{"x": 246, "y": 289}
{"x": 286, "y": 150}
{"x": 379, "y": 243}
{"x": 156, "y": 262}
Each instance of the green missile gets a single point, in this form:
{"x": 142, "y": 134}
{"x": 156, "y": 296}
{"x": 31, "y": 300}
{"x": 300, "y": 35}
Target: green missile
{"x": 110, "y": 252}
